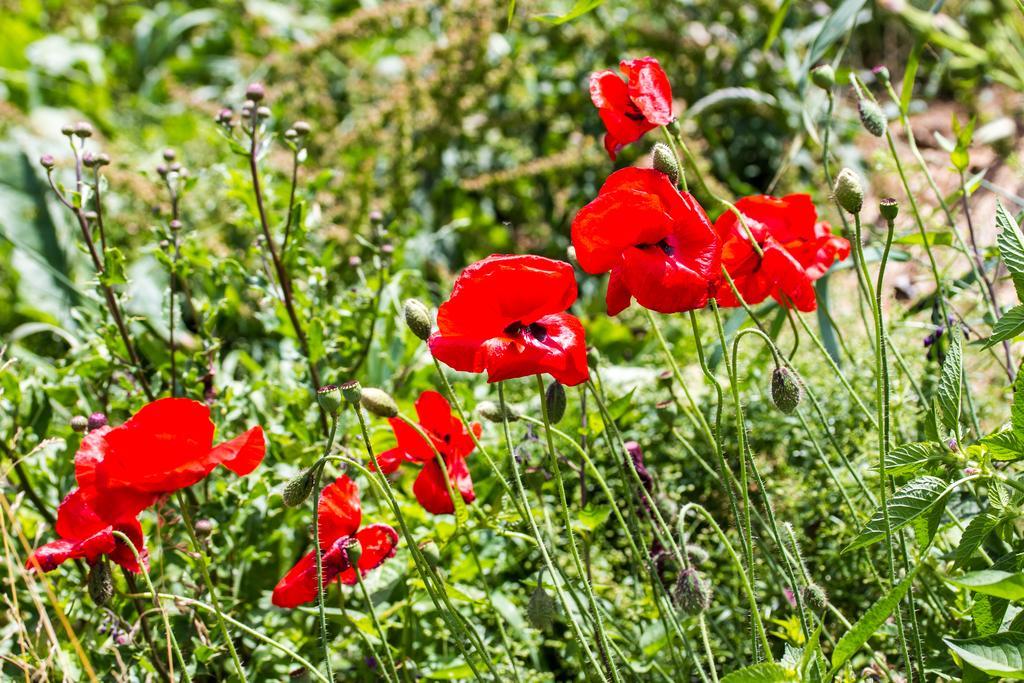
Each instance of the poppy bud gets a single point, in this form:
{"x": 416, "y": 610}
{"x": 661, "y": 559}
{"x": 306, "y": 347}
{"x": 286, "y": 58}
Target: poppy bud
{"x": 79, "y": 423}
{"x": 379, "y": 402}
{"x": 554, "y": 401}
{"x": 786, "y": 389}
{"x": 353, "y": 550}
{"x": 848, "y": 191}
{"x": 889, "y": 209}
{"x": 541, "y": 609}
{"x": 169, "y": 154}
{"x": 692, "y": 592}
{"x": 298, "y": 489}
{"x": 101, "y": 584}
{"x": 47, "y": 161}
{"x": 417, "y": 317}
{"x": 352, "y": 391}
{"x": 815, "y": 597}
{"x": 664, "y": 160}
{"x": 491, "y": 411}
{"x": 97, "y": 420}
{"x": 872, "y": 117}
{"x": 255, "y": 92}
{"x": 881, "y": 72}
{"x": 823, "y": 76}
{"x": 329, "y": 398}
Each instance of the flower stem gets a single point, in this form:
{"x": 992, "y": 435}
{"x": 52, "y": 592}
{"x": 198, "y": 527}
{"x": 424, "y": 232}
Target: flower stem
{"x": 392, "y": 671}
{"x": 318, "y": 551}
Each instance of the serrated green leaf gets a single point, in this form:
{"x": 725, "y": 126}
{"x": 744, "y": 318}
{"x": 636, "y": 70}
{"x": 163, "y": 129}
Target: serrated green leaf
{"x": 910, "y": 457}
{"x": 907, "y": 504}
{"x": 950, "y": 383}
{"x": 974, "y": 535}
{"x": 1009, "y": 240}
{"x": 1000, "y": 654}
{"x": 866, "y": 626}
{"x": 765, "y": 672}
{"x": 1010, "y": 325}
{"x": 1004, "y": 446}
{"x": 114, "y": 272}
{"x": 1000, "y": 584}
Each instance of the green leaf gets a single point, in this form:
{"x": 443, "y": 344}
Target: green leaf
{"x": 765, "y": 672}
{"x": 950, "y": 383}
{"x": 1000, "y": 654}
{"x": 1004, "y": 446}
{"x": 592, "y": 516}
{"x": 1008, "y": 326}
{"x": 932, "y": 239}
{"x": 579, "y": 8}
{"x": 1011, "y": 245}
{"x": 451, "y": 673}
{"x": 866, "y": 626}
{"x": 1000, "y": 584}
{"x": 835, "y": 27}
{"x": 974, "y": 535}
{"x": 114, "y": 273}
{"x": 907, "y": 504}
{"x": 910, "y": 457}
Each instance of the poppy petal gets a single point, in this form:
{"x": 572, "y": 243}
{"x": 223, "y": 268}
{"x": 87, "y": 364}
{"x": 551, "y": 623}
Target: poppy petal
{"x": 649, "y": 89}
{"x": 122, "y": 555}
{"x": 378, "y": 543}
{"x": 339, "y": 511}
{"x": 410, "y": 442}
{"x": 431, "y": 490}
{"x": 299, "y": 585}
{"x": 561, "y": 352}
{"x": 390, "y": 460}
{"x": 241, "y": 454}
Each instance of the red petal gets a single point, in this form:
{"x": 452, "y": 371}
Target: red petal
{"x": 434, "y": 413}
{"x": 432, "y": 492}
{"x": 340, "y": 512}
{"x": 241, "y": 454}
{"x": 608, "y": 91}
{"x": 390, "y": 460}
{"x": 299, "y": 585}
{"x": 793, "y": 287}
{"x": 618, "y": 297}
{"x": 562, "y": 353}
{"x": 410, "y": 442}
{"x": 649, "y": 89}
{"x": 82, "y": 513}
{"x": 51, "y": 555}
{"x": 378, "y": 543}
{"x": 122, "y": 554}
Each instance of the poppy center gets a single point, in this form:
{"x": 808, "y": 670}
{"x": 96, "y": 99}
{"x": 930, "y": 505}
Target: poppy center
{"x": 663, "y": 244}
{"x": 633, "y": 113}
{"x": 536, "y": 330}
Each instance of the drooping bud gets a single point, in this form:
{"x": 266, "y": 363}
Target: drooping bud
{"x": 417, "y": 317}
{"x": 47, "y": 161}
{"x": 848, "y": 191}
{"x": 79, "y": 423}
{"x": 815, "y": 597}
{"x": 541, "y": 610}
{"x": 491, "y": 411}
{"x": 102, "y": 159}
{"x": 299, "y": 488}
{"x": 823, "y": 76}
{"x": 352, "y": 391}
{"x": 889, "y": 209}
{"x": 175, "y": 225}
{"x": 97, "y": 420}
{"x": 664, "y": 160}
{"x": 301, "y": 127}
{"x": 554, "y": 401}
{"x": 88, "y": 160}
{"x": 692, "y": 592}
{"x": 255, "y": 92}
{"x": 379, "y": 402}
{"x": 787, "y": 391}
{"x": 329, "y": 398}
{"x": 67, "y": 129}
{"x": 881, "y": 72}
{"x": 872, "y": 117}
{"x": 100, "y": 582}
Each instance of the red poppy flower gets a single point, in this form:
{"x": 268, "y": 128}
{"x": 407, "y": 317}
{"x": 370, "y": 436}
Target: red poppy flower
{"x": 164, "y": 447}
{"x": 657, "y": 242}
{"x": 506, "y": 315}
{"x": 340, "y": 516}
{"x": 796, "y": 248}
{"x": 632, "y": 107}
{"x": 449, "y": 437}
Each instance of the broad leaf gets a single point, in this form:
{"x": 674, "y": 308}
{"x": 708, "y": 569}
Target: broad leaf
{"x": 579, "y": 8}
{"x": 1004, "y": 445}
{"x": 1000, "y": 654}
{"x": 765, "y": 672}
{"x": 1000, "y": 584}
{"x": 866, "y": 626}
{"x": 907, "y": 504}
{"x": 1009, "y": 240}
{"x": 950, "y": 383}
{"x": 910, "y": 457}
{"x": 1008, "y": 326}
{"x": 931, "y": 238}
{"x": 974, "y": 536}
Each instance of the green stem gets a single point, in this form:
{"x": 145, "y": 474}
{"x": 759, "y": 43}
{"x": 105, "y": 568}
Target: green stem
{"x": 392, "y": 670}
{"x": 318, "y": 551}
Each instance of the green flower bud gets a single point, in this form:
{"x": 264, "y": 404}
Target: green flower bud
{"x": 541, "y": 610}
{"x": 871, "y": 117}
{"x": 882, "y": 74}
{"x": 848, "y": 191}
{"x": 889, "y": 209}
{"x": 664, "y": 160}
{"x": 417, "y": 317}
{"x": 329, "y": 398}
{"x": 79, "y": 423}
{"x": 692, "y": 592}
{"x": 554, "y": 400}
{"x": 787, "y": 391}
{"x": 379, "y": 402}
{"x": 823, "y": 76}
{"x": 299, "y": 488}
{"x": 815, "y": 597}
{"x": 491, "y": 411}
{"x": 100, "y": 582}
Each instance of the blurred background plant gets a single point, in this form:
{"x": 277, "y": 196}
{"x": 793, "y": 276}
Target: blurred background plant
{"x": 440, "y": 132}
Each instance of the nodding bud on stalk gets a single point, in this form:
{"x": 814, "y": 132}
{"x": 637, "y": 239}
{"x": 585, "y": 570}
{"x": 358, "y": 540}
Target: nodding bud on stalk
{"x": 329, "y": 398}
{"x": 79, "y": 423}
{"x": 379, "y": 402}
{"x": 96, "y": 420}
{"x": 101, "y": 584}
{"x": 872, "y": 117}
{"x": 815, "y": 597}
{"x": 298, "y": 489}
{"x": 881, "y": 72}
{"x": 889, "y": 209}
{"x": 692, "y": 592}
{"x": 541, "y": 609}
{"x": 83, "y": 130}
{"x": 848, "y": 191}
{"x": 823, "y": 76}
{"x": 664, "y": 160}
{"x": 787, "y": 391}
{"x": 352, "y": 391}
{"x": 554, "y": 402}
{"x": 354, "y": 551}
{"x": 491, "y": 411}
{"x": 417, "y": 317}
{"x": 47, "y": 161}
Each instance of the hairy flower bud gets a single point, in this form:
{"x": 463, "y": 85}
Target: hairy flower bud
{"x": 79, "y": 423}
{"x": 871, "y": 117}
{"x": 491, "y": 411}
{"x": 541, "y": 610}
{"x": 823, "y": 76}
{"x": 417, "y": 317}
{"x": 299, "y": 488}
{"x": 889, "y": 209}
{"x": 848, "y": 191}
{"x": 329, "y": 398}
{"x": 100, "y": 582}
{"x": 787, "y": 391}
{"x": 815, "y": 597}
{"x": 554, "y": 401}
{"x": 379, "y": 402}
{"x": 664, "y": 160}
{"x": 97, "y": 420}
{"x": 881, "y": 72}
{"x": 692, "y": 592}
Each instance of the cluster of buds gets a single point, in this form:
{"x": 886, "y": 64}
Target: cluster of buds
{"x": 171, "y": 167}
{"x": 80, "y": 130}
{"x": 90, "y": 160}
